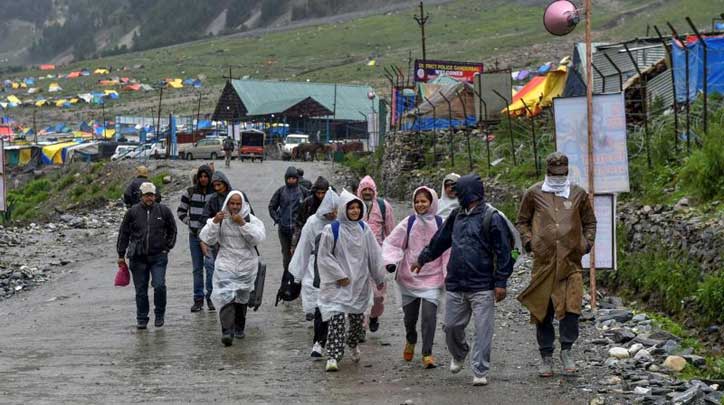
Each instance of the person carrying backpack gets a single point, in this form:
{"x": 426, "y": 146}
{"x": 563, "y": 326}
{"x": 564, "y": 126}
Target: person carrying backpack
{"x": 304, "y": 266}
{"x": 477, "y": 274}
{"x": 381, "y": 219}
{"x": 420, "y": 291}
{"x": 348, "y": 259}
{"x": 228, "y": 147}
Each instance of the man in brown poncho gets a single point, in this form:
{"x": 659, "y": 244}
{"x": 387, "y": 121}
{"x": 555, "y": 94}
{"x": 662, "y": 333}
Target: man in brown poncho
{"x": 557, "y": 224}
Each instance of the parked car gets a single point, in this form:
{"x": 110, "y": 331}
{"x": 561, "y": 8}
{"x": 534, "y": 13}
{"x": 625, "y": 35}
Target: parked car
{"x": 122, "y": 152}
{"x": 252, "y": 145}
{"x": 209, "y": 148}
{"x": 294, "y": 140}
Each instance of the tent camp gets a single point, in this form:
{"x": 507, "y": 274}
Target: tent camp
{"x": 461, "y": 108}
{"x": 84, "y": 152}
{"x": 101, "y": 71}
{"x": 539, "y": 92}
{"x": 47, "y": 67}
{"x": 21, "y": 155}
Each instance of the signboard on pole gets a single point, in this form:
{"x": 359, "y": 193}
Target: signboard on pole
{"x": 3, "y": 206}
{"x": 462, "y": 71}
{"x": 610, "y": 155}
{"x": 604, "y": 206}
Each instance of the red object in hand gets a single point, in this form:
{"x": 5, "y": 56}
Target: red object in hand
{"x": 123, "y": 276}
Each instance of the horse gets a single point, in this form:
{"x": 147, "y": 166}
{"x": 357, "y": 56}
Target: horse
{"x": 300, "y": 151}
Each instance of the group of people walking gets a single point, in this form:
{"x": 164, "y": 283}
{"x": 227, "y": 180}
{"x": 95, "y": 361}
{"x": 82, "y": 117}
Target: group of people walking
{"x": 338, "y": 248}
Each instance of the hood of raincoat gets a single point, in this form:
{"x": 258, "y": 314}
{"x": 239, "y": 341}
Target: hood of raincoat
{"x": 432, "y": 211}
{"x": 320, "y": 184}
{"x": 447, "y": 204}
{"x": 329, "y": 204}
{"x": 204, "y": 169}
{"x": 220, "y": 176}
{"x": 344, "y": 200}
{"x": 470, "y": 188}
{"x": 245, "y": 211}
{"x": 291, "y": 172}
{"x": 366, "y": 182}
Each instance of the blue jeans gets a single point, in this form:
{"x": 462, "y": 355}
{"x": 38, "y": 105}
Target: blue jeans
{"x": 151, "y": 268}
{"x": 209, "y": 267}
{"x": 199, "y": 265}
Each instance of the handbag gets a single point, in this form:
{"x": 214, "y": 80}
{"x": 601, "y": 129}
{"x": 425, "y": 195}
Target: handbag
{"x": 255, "y": 298}
{"x": 123, "y": 276}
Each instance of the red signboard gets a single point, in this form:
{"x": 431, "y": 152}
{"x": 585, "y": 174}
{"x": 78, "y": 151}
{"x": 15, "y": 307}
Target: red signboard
{"x": 430, "y": 69}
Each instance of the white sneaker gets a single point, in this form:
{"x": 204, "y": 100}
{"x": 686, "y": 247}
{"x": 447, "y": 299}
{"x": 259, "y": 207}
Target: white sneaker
{"x": 316, "y": 351}
{"x": 356, "y": 354}
{"x": 332, "y": 365}
{"x": 477, "y": 381}
{"x": 455, "y": 367}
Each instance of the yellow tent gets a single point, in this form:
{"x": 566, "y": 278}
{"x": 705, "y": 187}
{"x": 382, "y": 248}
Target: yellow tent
{"x": 109, "y": 133}
{"x": 25, "y": 155}
{"x": 54, "y": 153}
{"x": 109, "y": 92}
{"x": 101, "y": 71}
{"x": 60, "y": 102}
{"x": 13, "y": 99}
{"x": 53, "y": 87}
{"x": 176, "y": 83}
{"x": 40, "y": 103}
{"x": 539, "y": 92}
{"x": 74, "y": 100}
{"x": 16, "y": 85}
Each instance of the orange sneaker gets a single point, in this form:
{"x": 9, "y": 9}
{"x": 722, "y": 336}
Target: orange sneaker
{"x": 428, "y": 362}
{"x": 409, "y": 352}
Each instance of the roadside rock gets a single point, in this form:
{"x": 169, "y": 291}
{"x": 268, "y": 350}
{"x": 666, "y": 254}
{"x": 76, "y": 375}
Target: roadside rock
{"x": 675, "y": 363}
{"x": 621, "y": 353}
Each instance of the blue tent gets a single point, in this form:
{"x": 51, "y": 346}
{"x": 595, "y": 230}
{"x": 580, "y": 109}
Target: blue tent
{"x": 715, "y": 65}
{"x": 197, "y": 83}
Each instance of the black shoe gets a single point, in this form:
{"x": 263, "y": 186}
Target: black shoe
{"x": 198, "y": 306}
{"x": 142, "y": 325}
{"x": 239, "y": 334}
{"x": 374, "y": 324}
{"x": 158, "y": 323}
{"x": 210, "y": 305}
{"x": 227, "y": 339}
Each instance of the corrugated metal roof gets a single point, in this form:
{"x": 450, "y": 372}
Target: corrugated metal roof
{"x": 661, "y": 87}
{"x": 646, "y": 52}
{"x": 262, "y": 97}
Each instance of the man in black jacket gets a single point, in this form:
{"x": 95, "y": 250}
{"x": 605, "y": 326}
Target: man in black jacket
{"x": 477, "y": 273}
{"x": 309, "y": 206}
{"x": 283, "y": 209}
{"x": 132, "y": 195}
{"x": 147, "y": 234}
{"x": 191, "y": 213}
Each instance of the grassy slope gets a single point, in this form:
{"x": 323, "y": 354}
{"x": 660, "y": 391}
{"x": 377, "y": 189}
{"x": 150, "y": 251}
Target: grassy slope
{"x": 462, "y": 30}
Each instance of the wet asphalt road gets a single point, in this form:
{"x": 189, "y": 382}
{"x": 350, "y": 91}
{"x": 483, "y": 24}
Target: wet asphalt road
{"x": 74, "y": 340}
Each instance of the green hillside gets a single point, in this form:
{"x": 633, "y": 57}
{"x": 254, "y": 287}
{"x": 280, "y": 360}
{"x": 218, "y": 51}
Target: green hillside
{"x": 509, "y": 33}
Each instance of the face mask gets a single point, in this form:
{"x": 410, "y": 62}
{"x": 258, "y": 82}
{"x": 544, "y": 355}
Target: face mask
{"x": 557, "y": 180}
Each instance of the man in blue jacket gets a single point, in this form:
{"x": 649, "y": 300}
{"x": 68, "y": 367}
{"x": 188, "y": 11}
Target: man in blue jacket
{"x": 477, "y": 273}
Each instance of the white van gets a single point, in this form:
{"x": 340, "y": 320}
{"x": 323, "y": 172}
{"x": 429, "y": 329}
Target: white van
{"x": 294, "y": 140}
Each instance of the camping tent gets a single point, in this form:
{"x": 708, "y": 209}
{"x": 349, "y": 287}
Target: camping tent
{"x": 54, "y": 87}
{"x": 715, "y": 74}
{"x": 539, "y": 92}
{"x": 101, "y": 71}
{"x": 47, "y": 67}
{"x": 55, "y": 154}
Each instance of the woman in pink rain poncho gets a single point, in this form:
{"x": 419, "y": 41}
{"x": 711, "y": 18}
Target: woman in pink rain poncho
{"x": 420, "y": 291}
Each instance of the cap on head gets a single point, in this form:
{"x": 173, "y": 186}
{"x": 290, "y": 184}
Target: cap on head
{"x": 142, "y": 171}
{"x": 148, "y": 188}
{"x": 557, "y": 164}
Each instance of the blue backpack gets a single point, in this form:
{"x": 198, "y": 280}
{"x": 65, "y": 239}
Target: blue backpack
{"x": 411, "y": 221}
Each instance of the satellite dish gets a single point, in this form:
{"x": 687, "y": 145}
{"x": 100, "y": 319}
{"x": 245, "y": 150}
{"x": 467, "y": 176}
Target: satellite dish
{"x": 561, "y": 17}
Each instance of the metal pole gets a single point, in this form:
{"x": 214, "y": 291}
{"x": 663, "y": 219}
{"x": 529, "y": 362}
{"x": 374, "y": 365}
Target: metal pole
{"x": 706, "y": 73}
{"x": 673, "y": 86}
{"x": 434, "y": 130}
{"x": 421, "y": 21}
{"x": 535, "y": 140}
{"x": 467, "y": 133}
{"x": 198, "y": 117}
{"x": 449, "y": 127}
{"x": 158, "y": 125}
{"x": 480, "y": 120}
{"x": 644, "y": 103}
{"x": 510, "y": 126}
{"x": 688, "y": 101}
{"x": 35, "y": 128}
{"x": 589, "y": 105}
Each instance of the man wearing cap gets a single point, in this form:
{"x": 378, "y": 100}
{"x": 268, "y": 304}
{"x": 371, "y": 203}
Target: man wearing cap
{"x": 558, "y": 226}
{"x": 132, "y": 196}
{"x": 147, "y": 234}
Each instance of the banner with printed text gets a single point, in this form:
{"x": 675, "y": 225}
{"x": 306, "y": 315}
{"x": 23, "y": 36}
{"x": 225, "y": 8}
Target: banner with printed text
{"x": 462, "y": 71}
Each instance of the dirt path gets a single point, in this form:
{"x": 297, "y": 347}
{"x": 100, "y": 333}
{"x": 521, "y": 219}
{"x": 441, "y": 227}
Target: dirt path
{"x": 74, "y": 340}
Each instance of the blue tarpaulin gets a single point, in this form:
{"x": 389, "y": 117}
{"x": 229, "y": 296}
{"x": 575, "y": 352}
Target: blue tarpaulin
{"x": 428, "y": 124}
{"x": 715, "y": 66}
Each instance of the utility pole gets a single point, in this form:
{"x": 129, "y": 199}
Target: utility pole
{"x": 421, "y": 21}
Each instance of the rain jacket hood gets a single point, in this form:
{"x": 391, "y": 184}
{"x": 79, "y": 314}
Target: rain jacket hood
{"x": 291, "y": 172}
{"x": 220, "y": 176}
{"x": 205, "y": 169}
{"x": 381, "y": 225}
{"x": 365, "y": 183}
{"x": 345, "y": 199}
{"x": 320, "y": 184}
{"x": 431, "y": 212}
{"x": 245, "y": 211}
{"x": 447, "y": 204}
{"x": 470, "y": 188}
{"x": 328, "y": 204}
{"x": 356, "y": 256}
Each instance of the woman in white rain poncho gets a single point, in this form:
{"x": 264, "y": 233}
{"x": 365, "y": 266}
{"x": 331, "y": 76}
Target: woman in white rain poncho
{"x": 448, "y": 198}
{"x": 236, "y": 232}
{"x": 348, "y": 258}
{"x": 302, "y": 266}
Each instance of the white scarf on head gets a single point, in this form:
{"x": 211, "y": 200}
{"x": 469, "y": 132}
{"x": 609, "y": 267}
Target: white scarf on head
{"x": 559, "y": 185}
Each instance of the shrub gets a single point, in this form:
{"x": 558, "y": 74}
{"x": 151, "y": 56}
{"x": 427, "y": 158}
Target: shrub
{"x": 710, "y": 297}
{"x": 703, "y": 173}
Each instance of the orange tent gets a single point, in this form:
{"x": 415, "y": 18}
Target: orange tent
{"x": 73, "y": 75}
{"x": 47, "y": 67}
{"x": 107, "y": 82}
{"x": 539, "y": 93}
{"x": 132, "y": 87}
